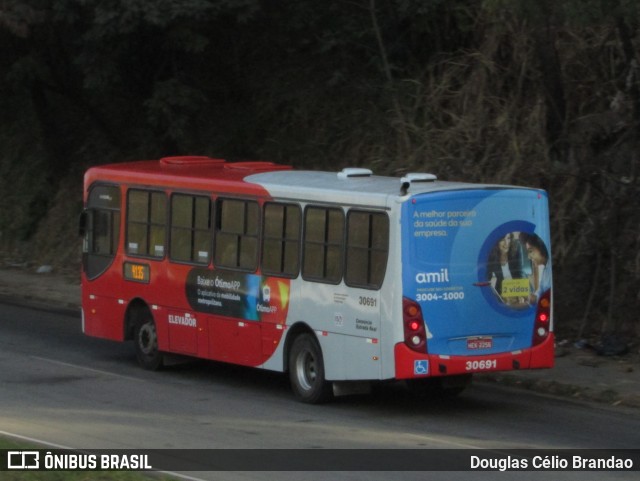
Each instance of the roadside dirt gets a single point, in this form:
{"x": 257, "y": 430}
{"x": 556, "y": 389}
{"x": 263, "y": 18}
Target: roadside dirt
{"x": 46, "y": 288}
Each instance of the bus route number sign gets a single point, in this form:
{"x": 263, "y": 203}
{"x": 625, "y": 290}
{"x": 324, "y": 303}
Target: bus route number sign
{"x": 136, "y": 272}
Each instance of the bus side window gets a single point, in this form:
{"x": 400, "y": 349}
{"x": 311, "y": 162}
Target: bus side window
{"x": 236, "y": 237}
{"x": 323, "y": 244}
{"x": 281, "y": 239}
{"x": 190, "y": 229}
{"x": 367, "y": 249}
{"x": 146, "y": 219}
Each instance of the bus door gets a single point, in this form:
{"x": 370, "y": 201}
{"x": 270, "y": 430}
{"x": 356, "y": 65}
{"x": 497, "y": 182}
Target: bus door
{"x": 100, "y": 226}
{"x": 477, "y": 263}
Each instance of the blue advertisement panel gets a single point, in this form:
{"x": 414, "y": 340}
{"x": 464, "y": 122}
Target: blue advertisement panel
{"x": 477, "y": 261}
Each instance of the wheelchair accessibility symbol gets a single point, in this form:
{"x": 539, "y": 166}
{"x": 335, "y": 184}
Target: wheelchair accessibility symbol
{"x": 421, "y": 368}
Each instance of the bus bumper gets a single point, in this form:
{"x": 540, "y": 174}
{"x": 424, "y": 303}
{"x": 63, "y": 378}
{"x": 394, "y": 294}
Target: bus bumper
{"x": 411, "y": 365}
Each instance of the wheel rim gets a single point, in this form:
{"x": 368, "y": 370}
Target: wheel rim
{"x": 306, "y": 370}
{"x": 147, "y": 339}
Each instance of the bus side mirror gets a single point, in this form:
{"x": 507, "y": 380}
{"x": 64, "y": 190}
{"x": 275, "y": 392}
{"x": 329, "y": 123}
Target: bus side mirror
{"x": 83, "y": 222}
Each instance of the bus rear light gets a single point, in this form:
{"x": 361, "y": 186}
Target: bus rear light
{"x": 415, "y": 335}
{"x": 542, "y": 328}
{"x": 411, "y": 309}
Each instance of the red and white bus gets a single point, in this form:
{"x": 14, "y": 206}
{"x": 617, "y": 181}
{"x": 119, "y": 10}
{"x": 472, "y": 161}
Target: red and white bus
{"x": 339, "y": 279}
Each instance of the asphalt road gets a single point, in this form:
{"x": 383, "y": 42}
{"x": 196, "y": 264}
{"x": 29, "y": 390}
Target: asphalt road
{"x": 62, "y": 388}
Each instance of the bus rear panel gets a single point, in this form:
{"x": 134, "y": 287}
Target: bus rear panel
{"x": 476, "y": 283}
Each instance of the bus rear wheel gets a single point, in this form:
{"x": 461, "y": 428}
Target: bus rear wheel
{"x": 146, "y": 342}
{"x": 306, "y": 371}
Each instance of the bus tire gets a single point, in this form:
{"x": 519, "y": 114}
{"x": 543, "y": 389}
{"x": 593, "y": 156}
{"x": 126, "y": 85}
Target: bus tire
{"x": 306, "y": 371}
{"x": 145, "y": 338}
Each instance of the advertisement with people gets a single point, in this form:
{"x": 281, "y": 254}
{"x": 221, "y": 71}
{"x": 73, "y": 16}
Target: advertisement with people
{"x": 477, "y": 262}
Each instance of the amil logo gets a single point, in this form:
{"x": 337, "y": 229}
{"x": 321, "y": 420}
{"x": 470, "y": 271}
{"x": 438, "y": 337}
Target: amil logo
{"x": 433, "y": 277}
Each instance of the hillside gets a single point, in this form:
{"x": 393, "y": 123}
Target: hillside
{"x": 544, "y": 93}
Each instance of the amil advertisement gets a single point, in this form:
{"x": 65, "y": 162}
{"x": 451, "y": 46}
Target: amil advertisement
{"x": 477, "y": 261}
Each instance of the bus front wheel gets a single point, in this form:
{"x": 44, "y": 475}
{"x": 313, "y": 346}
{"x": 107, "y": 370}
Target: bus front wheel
{"x": 146, "y": 342}
{"x": 306, "y": 371}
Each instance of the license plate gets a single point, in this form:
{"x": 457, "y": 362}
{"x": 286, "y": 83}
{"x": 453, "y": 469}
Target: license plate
{"x": 475, "y": 343}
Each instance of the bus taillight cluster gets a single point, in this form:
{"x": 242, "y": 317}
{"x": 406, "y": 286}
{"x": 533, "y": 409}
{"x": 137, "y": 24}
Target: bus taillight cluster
{"x": 542, "y": 326}
{"x": 415, "y": 335}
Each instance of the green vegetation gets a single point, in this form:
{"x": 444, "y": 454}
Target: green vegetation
{"x": 543, "y": 93}
{"x": 69, "y": 475}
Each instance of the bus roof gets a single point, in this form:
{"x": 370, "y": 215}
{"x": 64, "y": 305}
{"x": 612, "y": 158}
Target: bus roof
{"x": 365, "y": 189}
{"x": 190, "y": 172}
{"x": 350, "y": 186}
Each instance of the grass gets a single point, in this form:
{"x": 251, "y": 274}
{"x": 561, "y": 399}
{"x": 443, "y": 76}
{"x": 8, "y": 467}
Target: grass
{"x": 70, "y": 475}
